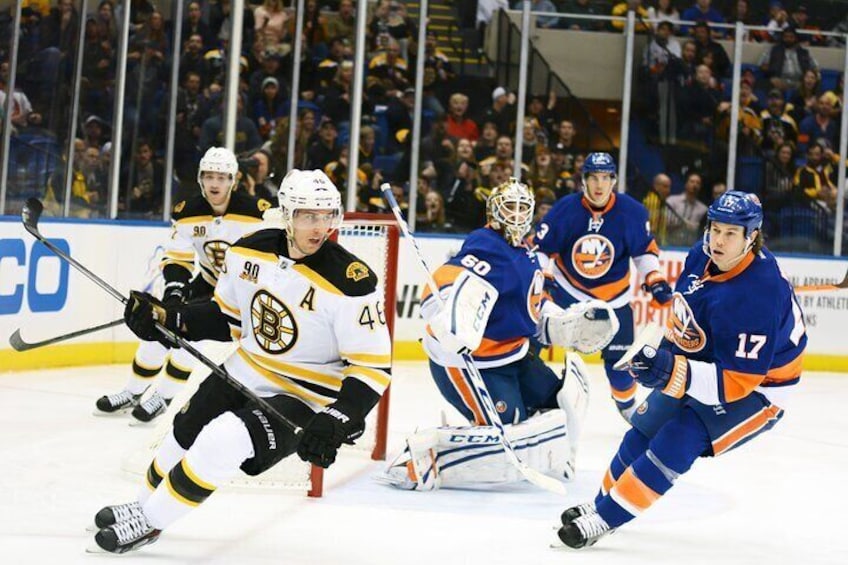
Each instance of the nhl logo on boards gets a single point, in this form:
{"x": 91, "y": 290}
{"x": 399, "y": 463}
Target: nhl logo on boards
{"x": 592, "y": 256}
{"x": 682, "y": 329}
{"x": 274, "y": 327}
{"x": 356, "y": 271}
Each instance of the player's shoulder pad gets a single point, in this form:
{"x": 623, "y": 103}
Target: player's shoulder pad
{"x": 244, "y": 204}
{"x": 342, "y": 269}
{"x": 191, "y": 208}
{"x": 265, "y": 242}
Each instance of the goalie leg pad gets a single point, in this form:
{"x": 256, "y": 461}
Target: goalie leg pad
{"x": 573, "y": 398}
{"x": 473, "y": 456}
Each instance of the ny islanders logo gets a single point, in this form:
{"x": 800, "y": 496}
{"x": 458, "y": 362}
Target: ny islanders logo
{"x": 534, "y": 297}
{"x": 592, "y": 256}
{"x": 682, "y": 328}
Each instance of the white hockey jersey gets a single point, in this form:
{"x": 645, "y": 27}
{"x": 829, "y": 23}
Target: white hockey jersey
{"x": 303, "y": 325}
{"x": 197, "y": 234}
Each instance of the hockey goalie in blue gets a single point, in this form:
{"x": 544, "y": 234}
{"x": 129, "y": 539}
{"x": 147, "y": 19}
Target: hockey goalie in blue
{"x": 727, "y": 363}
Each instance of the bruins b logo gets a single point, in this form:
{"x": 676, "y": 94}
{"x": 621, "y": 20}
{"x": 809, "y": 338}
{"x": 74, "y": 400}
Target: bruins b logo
{"x": 216, "y": 253}
{"x": 356, "y": 271}
{"x": 273, "y": 324}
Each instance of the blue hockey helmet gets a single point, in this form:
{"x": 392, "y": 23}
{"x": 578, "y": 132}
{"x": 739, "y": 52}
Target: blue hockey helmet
{"x": 739, "y": 209}
{"x": 599, "y": 163}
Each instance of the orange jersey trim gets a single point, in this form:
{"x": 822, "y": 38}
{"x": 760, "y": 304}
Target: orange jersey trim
{"x": 739, "y": 385}
{"x": 444, "y": 276}
{"x": 634, "y": 492}
{"x": 605, "y": 292}
{"x": 747, "y": 428}
{"x": 727, "y": 275}
{"x": 791, "y": 370}
{"x": 467, "y": 395}
{"x": 492, "y": 348}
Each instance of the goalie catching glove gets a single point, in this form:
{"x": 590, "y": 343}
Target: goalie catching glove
{"x": 585, "y": 326}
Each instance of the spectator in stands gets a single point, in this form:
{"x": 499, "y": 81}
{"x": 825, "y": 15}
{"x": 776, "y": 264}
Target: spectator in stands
{"x": 778, "y": 125}
{"x": 502, "y": 111}
{"x": 390, "y": 21}
{"x": 683, "y": 72}
{"x": 149, "y": 52}
{"x": 654, "y": 202}
{"x": 194, "y": 24}
{"x": 655, "y": 64}
{"x": 799, "y": 19}
{"x": 399, "y": 117}
{"x": 219, "y": 22}
{"x": 269, "y": 107}
{"x": 247, "y": 136}
{"x": 707, "y": 46}
{"x": 703, "y": 104}
{"x": 326, "y": 148}
{"x": 545, "y": 200}
{"x": 271, "y": 67}
{"x": 665, "y": 12}
{"x": 434, "y": 217}
{"x": 816, "y": 180}
{"x": 387, "y": 74}
{"x": 270, "y": 21}
{"x": 255, "y": 179}
{"x": 367, "y": 145}
{"x": 96, "y": 178}
{"x": 718, "y": 189}
{"x": 804, "y": 100}
{"x": 458, "y": 125}
{"x": 542, "y": 173}
{"x": 142, "y": 182}
{"x": 342, "y": 25}
{"x": 21, "y": 105}
{"x": 438, "y": 75}
{"x": 107, "y": 25}
{"x": 564, "y": 146}
{"x": 779, "y": 178}
{"x": 785, "y": 63}
{"x": 531, "y": 137}
{"x": 621, "y": 9}
{"x": 584, "y": 8}
{"x": 60, "y": 29}
{"x": 465, "y": 176}
{"x": 821, "y": 124}
{"x": 193, "y": 107}
{"x": 741, "y": 13}
{"x": 485, "y": 146}
{"x": 314, "y": 25}
{"x": 750, "y": 123}
{"x": 504, "y": 154}
{"x": 97, "y": 72}
{"x": 327, "y": 68}
{"x": 686, "y": 213}
{"x": 192, "y": 59}
{"x": 94, "y": 132}
{"x": 779, "y": 22}
{"x": 544, "y": 112}
{"x": 702, "y": 11}
{"x": 545, "y": 22}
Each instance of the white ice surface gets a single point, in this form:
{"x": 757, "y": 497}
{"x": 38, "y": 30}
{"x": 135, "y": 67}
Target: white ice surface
{"x": 779, "y": 499}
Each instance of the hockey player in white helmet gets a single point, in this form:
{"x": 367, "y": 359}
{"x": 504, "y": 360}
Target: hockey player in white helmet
{"x": 494, "y": 303}
{"x": 293, "y": 302}
{"x": 204, "y": 227}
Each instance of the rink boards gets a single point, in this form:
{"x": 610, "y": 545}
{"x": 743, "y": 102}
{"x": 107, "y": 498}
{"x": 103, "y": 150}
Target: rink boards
{"x": 43, "y": 297}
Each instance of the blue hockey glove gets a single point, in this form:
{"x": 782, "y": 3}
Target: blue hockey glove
{"x": 658, "y": 368}
{"x": 659, "y": 288}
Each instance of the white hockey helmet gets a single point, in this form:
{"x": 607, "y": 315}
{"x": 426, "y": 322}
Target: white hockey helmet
{"x": 308, "y": 190}
{"x": 510, "y": 208}
{"x": 218, "y": 160}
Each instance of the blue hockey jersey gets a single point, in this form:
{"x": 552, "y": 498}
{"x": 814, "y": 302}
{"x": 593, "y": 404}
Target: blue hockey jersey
{"x": 515, "y": 274}
{"x": 592, "y": 248}
{"x": 745, "y": 326}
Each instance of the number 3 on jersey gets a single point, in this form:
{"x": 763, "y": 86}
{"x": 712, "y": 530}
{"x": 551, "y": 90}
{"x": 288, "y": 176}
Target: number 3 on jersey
{"x": 482, "y": 268}
{"x": 749, "y": 346}
{"x": 366, "y": 318}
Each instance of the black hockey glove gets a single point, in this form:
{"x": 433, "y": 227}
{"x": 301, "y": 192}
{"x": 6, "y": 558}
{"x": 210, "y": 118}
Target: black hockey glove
{"x": 141, "y": 313}
{"x": 326, "y": 432}
{"x": 175, "y": 293}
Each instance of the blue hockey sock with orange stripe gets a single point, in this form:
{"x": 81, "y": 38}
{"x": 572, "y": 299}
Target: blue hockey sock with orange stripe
{"x": 632, "y": 446}
{"x": 670, "y": 454}
{"x": 622, "y": 387}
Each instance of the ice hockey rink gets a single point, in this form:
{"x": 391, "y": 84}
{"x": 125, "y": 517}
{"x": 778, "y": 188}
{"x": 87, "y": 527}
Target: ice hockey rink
{"x": 778, "y": 500}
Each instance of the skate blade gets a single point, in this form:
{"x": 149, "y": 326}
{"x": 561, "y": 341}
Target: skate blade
{"x": 133, "y": 423}
{"x": 94, "y": 548}
{"x": 92, "y": 528}
{"x": 115, "y": 414}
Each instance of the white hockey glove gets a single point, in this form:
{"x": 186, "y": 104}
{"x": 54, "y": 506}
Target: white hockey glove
{"x": 586, "y": 326}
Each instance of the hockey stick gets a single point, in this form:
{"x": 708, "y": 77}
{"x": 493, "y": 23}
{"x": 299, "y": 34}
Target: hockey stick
{"x": 823, "y": 287}
{"x": 652, "y": 335}
{"x": 18, "y": 343}
{"x": 532, "y": 475}
{"x": 30, "y": 216}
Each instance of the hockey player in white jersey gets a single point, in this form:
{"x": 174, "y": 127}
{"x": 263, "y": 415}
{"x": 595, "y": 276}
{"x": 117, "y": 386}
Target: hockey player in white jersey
{"x": 203, "y": 228}
{"x": 294, "y": 302}
{"x": 494, "y": 303}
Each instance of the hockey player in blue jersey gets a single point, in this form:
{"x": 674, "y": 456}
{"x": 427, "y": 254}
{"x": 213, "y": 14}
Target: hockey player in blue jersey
{"x": 589, "y": 239}
{"x": 494, "y": 303}
{"x": 730, "y": 355}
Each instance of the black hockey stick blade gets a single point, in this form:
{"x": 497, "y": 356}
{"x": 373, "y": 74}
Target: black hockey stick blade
{"x": 18, "y": 343}
{"x": 31, "y": 213}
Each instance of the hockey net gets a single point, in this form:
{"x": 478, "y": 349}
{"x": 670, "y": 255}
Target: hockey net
{"x": 374, "y": 238}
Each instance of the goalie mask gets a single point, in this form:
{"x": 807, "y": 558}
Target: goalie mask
{"x": 509, "y": 210}
{"x": 218, "y": 160}
{"x": 313, "y": 191}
